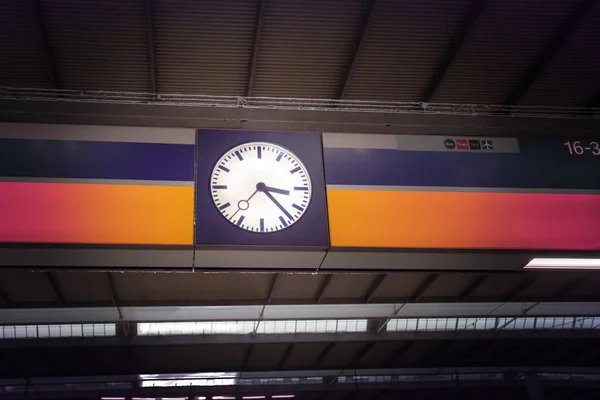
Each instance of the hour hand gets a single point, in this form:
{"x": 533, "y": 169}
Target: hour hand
{"x": 275, "y": 190}
{"x": 261, "y": 187}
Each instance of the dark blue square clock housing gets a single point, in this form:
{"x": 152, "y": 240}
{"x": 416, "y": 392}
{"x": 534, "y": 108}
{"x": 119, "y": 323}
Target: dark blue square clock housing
{"x": 311, "y": 230}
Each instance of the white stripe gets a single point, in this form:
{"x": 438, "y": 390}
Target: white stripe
{"x": 359, "y": 141}
{"x": 98, "y": 133}
{"x": 413, "y": 142}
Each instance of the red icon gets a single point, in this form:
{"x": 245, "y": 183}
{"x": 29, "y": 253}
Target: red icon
{"x": 462, "y": 144}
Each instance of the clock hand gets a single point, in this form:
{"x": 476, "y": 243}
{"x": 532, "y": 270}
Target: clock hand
{"x": 243, "y": 204}
{"x": 278, "y": 191}
{"x": 261, "y": 187}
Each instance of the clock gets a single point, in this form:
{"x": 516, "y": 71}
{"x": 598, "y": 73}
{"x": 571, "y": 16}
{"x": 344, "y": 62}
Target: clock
{"x": 260, "y": 187}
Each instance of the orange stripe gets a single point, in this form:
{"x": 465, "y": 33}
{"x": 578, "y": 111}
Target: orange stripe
{"x": 96, "y": 213}
{"x": 463, "y": 220}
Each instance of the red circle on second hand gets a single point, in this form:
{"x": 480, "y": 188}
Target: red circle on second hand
{"x": 243, "y": 205}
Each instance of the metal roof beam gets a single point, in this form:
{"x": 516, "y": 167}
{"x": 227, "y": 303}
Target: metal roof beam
{"x": 323, "y": 287}
{"x": 418, "y": 294}
{"x": 151, "y": 45}
{"x": 258, "y": 29}
{"x": 453, "y": 50}
{"x": 113, "y": 294}
{"x": 4, "y": 300}
{"x": 285, "y": 356}
{"x": 476, "y": 282}
{"x": 60, "y": 298}
{"x": 49, "y": 56}
{"x": 366, "y": 24}
{"x": 86, "y": 315}
{"x": 549, "y": 52}
{"x": 373, "y": 288}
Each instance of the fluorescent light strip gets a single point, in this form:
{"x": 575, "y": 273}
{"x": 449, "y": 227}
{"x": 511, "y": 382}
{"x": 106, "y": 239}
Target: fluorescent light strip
{"x": 564, "y": 263}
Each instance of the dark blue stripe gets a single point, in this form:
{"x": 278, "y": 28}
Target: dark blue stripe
{"x": 96, "y": 160}
{"x": 537, "y": 167}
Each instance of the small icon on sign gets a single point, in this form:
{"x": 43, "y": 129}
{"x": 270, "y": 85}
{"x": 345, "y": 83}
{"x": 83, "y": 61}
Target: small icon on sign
{"x": 474, "y": 144}
{"x": 449, "y": 143}
{"x": 462, "y": 144}
{"x": 487, "y": 145}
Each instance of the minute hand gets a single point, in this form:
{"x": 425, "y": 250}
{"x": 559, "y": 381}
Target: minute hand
{"x": 278, "y": 204}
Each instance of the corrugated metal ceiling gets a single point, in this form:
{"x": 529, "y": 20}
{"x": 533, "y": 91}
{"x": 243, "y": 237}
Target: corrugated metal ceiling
{"x": 403, "y": 48}
{"x": 573, "y": 76}
{"x": 501, "y": 47}
{"x": 304, "y": 49}
{"x": 99, "y": 45}
{"x": 22, "y": 61}
{"x": 204, "y": 46}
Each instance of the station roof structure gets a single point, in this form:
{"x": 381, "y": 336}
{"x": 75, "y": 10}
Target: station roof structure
{"x": 504, "y": 67}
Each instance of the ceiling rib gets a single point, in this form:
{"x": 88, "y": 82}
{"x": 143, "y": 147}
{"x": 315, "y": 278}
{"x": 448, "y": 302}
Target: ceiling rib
{"x": 548, "y": 53}
{"x": 151, "y": 50}
{"x": 476, "y": 282}
{"x": 56, "y": 287}
{"x": 367, "y": 21}
{"x": 427, "y": 282}
{"x": 455, "y": 45}
{"x": 272, "y": 289}
{"x": 49, "y": 57}
{"x": 4, "y": 301}
{"x": 285, "y": 355}
{"x": 113, "y": 294}
{"x": 398, "y": 354}
{"x": 324, "y": 353}
{"x": 260, "y": 19}
{"x": 323, "y": 288}
{"x": 373, "y": 288}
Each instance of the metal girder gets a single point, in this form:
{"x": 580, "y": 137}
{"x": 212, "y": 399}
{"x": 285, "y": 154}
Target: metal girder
{"x": 113, "y": 294}
{"x": 323, "y": 287}
{"x": 525, "y": 284}
{"x": 398, "y": 354}
{"x": 373, "y": 287}
{"x": 366, "y": 23}
{"x": 49, "y": 56}
{"x": 420, "y": 291}
{"x": 475, "y": 283}
{"x": 272, "y": 288}
{"x": 4, "y": 300}
{"x": 452, "y": 51}
{"x": 552, "y": 48}
{"x": 218, "y": 117}
{"x": 60, "y": 298}
{"x": 324, "y": 353}
{"x": 567, "y": 288}
{"x": 298, "y": 312}
{"x": 151, "y": 47}
{"x": 285, "y": 355}
{"x": 260, "y": 17}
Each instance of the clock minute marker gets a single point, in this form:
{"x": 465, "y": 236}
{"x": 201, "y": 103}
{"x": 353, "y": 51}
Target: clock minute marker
{"x": 295, "y": 170}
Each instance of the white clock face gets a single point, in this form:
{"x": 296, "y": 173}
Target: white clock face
{"x": 261, "y": 187}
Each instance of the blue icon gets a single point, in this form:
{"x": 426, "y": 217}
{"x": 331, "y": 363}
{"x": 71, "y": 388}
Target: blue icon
{"x": 487, "y": 145}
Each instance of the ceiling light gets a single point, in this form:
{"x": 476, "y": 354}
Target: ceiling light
{"x": 564, "y": 263}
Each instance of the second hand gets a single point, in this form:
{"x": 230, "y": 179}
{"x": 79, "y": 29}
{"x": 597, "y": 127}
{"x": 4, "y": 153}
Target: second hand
{"x": 243, "y": 205}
